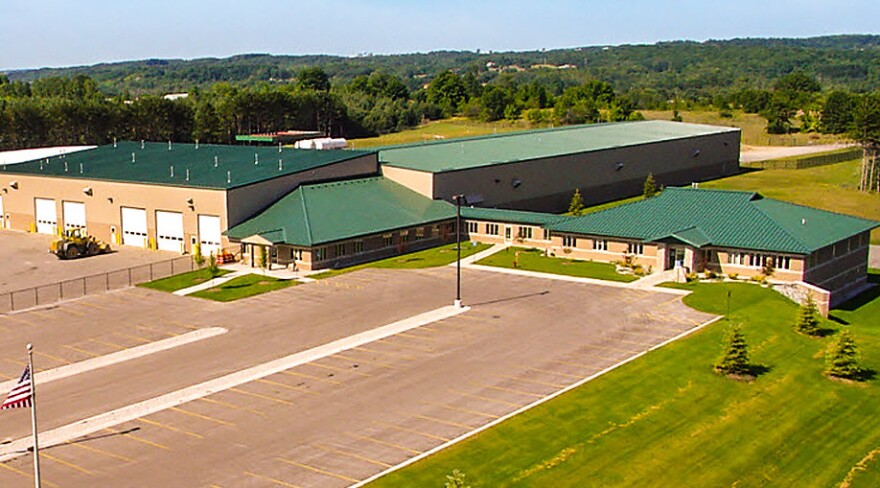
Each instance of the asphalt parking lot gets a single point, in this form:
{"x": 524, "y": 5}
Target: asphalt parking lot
{"x": 328, "y": 422}
{"x": 25, "y": 261}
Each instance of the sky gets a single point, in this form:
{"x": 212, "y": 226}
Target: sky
{"x": 54, "y": 33}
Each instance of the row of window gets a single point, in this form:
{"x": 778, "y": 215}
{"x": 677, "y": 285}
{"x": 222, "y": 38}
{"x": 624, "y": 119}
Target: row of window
{"x": 388, "y": 240}
{"x": 759, "y": 260}
{"x": 523, "y": 232}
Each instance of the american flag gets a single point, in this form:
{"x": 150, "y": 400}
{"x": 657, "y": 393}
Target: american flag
{"x": 20, "y": 396}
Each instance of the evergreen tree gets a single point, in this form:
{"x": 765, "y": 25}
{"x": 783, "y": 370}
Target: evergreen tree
{"x": 736, "y": 355}
{"x": 650, "y": 186}
{"x": 456, "y": 480}
{"x": 843, "y": 361}
{"x": 577, "y": 203}
{"x": 808, "y": 319}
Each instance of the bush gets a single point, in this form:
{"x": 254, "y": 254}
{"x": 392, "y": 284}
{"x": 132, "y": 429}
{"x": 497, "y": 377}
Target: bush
{"x": 691, "y": 277}
{"x": 710, "y": 275}
{"x": 843, "y": 358}
{"x": 733, "y": 276}
{"x": 761, "y": 279}
{"x": 808, "y": 318}
{"x": 735, "y": 360}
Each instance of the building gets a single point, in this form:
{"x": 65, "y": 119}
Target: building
{"x": 161, "y": 195}
{"x": 539, "y": 170}
{"x": 729, "y": 232}
{"x": 339, "y": 224}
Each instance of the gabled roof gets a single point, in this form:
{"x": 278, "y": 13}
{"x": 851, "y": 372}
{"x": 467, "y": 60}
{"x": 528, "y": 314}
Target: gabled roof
{"x": 328, "y": 212}
{"x": 511, "y": 216}
{"x": 186, "y": 165}
{"x": 510, "y": 147}
{"x": 735, "y": 219}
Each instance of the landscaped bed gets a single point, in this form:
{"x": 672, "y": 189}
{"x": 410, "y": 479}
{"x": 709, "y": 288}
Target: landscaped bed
{"x": 535, "y": 260}
{"x": 243, "y": 287}
{"x": 181, "y": 281}
{"x": 429, "y": 258}
{"x": 667, "y": 419}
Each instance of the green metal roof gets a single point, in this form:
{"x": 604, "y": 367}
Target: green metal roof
{"x": 734, "y": 219}
{"x": 511, "y": 216}
{"x": 186, "y": 165}
{"x": 328, "y": 212}
{"x": 458, "y": 154}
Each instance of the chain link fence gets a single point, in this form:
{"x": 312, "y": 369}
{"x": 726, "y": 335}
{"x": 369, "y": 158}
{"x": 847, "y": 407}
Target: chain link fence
{"x": 93, "y": 284}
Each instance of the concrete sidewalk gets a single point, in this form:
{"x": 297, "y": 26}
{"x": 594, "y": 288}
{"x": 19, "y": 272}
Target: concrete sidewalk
{"x": 482, "y": 254}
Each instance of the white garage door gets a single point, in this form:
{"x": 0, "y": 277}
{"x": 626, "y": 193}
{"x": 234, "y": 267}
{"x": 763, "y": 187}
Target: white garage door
{"x": 47, "y": 220}
{"x": 74, "y": 215}
{"x": 134, "y": 227}
{"x": 209, "y": 234}
{"x": 169, "y": 231}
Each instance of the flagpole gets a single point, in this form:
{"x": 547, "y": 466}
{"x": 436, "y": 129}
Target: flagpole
{"x": 30, "y": 349}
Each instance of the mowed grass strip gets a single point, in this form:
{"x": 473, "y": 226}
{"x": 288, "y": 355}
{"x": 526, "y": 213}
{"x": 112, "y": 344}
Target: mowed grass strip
{"x": 243, "y": 287}
{"x": 181, "y": 281}
{"x": 428, "y": 258}
{"x": 535, "y": 260}
{"x": 667, "y": 419}
{"x": 441, "y": 129}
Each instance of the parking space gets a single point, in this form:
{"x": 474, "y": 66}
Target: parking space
{"x": 349, "y": 415}
{"x": 25, "y": 261}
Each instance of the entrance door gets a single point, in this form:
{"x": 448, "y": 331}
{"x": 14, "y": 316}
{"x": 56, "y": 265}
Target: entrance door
{"x": 47, "y": 219}
{"x": 169, "y": 231}
{"x": 674, "y": 257}
{"x": 2, "y": 215}
{"x": 74, "y": 214}
{"x": 134, "y": 227}
{"x": 508, "y": 233}
{"x": 209, "y": 234}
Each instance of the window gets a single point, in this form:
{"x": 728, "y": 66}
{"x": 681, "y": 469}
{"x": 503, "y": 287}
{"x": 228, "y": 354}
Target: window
{"x": 600, "y": 244}
{"x": 388, "y": 240}
{"x": 320, "y": 253}
{"x": 296, "y": 254}
{"x": 546, "y": 234}
{"x": 473, "y": 227}
{"x": 420, "y": 233}
{"x": 357, "y": 246}
{"x": 635, "y": 248}
{"x": 492, "y": 229}
{"x": 737, "y": 258}
{"x": 525, "y": 233}
{"x": 404, "y": 236}
{"x": 435, "y": 231}
{"x": 569, "y": 241}
{"x": 339, "y": 249}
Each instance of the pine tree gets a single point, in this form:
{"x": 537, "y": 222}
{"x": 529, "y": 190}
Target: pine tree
{"x": 650, "y": 186}
{"x": 808, "y": 320}
{"x": 577, "y": 203}
{"x": 736, "y": 356}
{"x": 843, "y": 358}
{"x": 456, "y": 480}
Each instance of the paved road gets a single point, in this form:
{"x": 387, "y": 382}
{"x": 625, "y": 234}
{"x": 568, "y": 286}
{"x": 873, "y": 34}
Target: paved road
{"x": 333, "y": 421}
{"x": 25, "y": 261}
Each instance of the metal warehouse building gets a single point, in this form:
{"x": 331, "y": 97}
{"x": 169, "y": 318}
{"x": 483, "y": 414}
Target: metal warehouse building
{"x": 166, "y": 196}
{"x": 539, "y": 170}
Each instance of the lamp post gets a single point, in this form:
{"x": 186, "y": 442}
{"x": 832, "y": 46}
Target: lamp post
{"x": 458, "y": 199}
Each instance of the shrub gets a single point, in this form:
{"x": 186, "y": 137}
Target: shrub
{"x": 759, "y": 279}
{"x": 733, "y": 276}
{"x": 843, "y": 358}
{"x": 709, "y": 274}
{"x": 808, "y": 318}
{"x": 691, "y": 277}
{"x": 735, "y": 360}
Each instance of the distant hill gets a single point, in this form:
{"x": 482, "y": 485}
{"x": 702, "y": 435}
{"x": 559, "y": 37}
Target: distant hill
{"x": 689, "y": 69}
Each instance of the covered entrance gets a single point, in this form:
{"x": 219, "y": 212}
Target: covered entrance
{"x": 169, "y": 231}
{"x": 47, "y": 218}
{"x": 134, "y": 227}
{"x": 674, "y": 257}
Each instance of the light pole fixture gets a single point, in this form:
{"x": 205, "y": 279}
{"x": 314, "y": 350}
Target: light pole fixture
{"x": 458, "y": 201}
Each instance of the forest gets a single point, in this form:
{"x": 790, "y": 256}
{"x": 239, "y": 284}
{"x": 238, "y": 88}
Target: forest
{"x": 823, "y": 84}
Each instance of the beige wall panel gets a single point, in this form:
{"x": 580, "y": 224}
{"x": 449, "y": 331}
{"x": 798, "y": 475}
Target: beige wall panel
{"x": 418, "y": 181}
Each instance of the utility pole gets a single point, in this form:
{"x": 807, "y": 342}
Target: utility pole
{"x": 458, "y": 199}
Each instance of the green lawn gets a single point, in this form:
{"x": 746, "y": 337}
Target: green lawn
{"x": 181, "y": 281}
{"x": 534, "y": 260}
{"x": 243, "y": 287}
{"x": 429, "y": 258}
{"x": 667, "y": 420}
{"x": 831, "y": 187}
